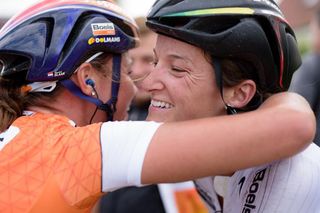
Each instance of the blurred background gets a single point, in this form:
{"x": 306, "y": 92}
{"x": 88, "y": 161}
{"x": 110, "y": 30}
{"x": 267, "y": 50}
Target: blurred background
{"x": 134, "y": 7}
{"x": 297, "y": 12}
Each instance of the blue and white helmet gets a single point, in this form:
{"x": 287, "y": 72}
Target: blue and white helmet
{"x": 50, "y": 39}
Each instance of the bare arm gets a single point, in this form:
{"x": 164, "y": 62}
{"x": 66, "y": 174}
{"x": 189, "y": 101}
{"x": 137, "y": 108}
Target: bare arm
{"x": 281, "y": 127}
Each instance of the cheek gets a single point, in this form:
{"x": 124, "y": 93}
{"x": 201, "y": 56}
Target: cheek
{"x": 199, "y": 100}
{"x": 104, "y": 89}
{"x": 129, "y": 90}
{"x": 126, "y": 94}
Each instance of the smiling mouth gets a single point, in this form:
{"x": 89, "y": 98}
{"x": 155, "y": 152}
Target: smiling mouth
{"x": 161, "y": 104}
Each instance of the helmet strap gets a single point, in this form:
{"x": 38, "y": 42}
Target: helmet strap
{"x": 219, "y": 80}
{"x": 115, "y": 84}
{"x": 110, "y": 106}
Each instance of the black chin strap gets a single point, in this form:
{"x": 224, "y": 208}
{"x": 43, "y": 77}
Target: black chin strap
{"x": 219, "y": 80}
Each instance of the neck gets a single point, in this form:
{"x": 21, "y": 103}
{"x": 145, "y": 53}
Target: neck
{"x": 68, "y": 105}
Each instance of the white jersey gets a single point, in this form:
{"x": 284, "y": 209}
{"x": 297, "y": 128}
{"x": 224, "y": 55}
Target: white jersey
{"x": 291, "y": 185}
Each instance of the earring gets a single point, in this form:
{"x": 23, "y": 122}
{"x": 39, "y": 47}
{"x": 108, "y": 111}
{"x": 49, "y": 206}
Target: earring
{"x": 93, "y": 93}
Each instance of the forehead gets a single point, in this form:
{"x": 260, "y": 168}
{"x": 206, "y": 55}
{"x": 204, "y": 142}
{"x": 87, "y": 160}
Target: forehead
{"x": 170, "y": 47}
{"x": 171, "y": 51}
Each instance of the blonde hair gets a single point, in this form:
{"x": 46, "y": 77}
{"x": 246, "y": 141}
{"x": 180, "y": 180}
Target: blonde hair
{"x": 143, "y": 29}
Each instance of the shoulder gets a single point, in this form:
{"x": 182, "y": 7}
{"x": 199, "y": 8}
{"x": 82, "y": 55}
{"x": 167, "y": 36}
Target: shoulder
{"x": 288, "y": 185}
{"x": 53, "y": 129}
{"x": 306, "y": 161}
{"x": 290, "y": 170}
{"x": 295, "y": 182}
{"x": 47, "y": 121}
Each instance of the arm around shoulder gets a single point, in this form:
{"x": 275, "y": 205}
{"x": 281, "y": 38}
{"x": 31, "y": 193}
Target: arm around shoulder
{"x": 281, "y": 127}
{"x": 296, "y": 118}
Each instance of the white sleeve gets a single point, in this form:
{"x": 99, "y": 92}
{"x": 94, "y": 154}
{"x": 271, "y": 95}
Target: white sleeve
{"x": 123, "y": 146}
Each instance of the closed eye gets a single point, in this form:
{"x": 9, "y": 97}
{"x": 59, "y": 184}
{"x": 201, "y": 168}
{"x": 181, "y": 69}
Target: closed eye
{"x": 177, "y": 69}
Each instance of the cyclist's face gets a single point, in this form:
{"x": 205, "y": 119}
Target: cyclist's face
{"x": 182, "y": 84}
{"x": 126, "y": 91}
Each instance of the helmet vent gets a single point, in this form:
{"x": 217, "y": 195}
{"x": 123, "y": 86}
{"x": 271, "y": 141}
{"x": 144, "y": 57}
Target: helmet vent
{"x": 12, "y": 64}
{"x": 272, "y": 39}
{"x": 82, "y": 20}
{"x": 173, "y": 2}
{"x": 49, "y": 22}
{"x": 2, "y": 67}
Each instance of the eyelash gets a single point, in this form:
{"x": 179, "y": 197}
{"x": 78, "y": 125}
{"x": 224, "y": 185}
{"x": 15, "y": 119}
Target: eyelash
{"x": 174, "y": 69}
{"x": 154, "y": 63}
{"x": 177, "y": 69}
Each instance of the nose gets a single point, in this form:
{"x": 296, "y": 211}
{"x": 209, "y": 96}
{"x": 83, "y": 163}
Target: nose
{"x": 154, "y": 81}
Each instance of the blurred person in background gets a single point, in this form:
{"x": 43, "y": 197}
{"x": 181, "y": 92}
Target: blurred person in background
{"x": 306, "y": 81}
{"x": 141, "y": 59}
{"x": 161, "y": 198}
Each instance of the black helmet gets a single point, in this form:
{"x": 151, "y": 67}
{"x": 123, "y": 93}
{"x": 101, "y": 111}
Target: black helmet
{"x": 251, "y": 30}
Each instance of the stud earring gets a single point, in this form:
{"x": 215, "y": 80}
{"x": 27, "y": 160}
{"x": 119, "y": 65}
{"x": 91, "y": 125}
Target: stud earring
{"x": 93, "y": 93}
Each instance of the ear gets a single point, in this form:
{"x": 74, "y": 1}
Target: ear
{"x": 83, "y": 73}
{"x": 240, "y": 95}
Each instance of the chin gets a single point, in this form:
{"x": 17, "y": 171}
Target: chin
{"x": 158, "y": 118}
{"x": 122, "y": 117}
{"x": 155, "y": 118}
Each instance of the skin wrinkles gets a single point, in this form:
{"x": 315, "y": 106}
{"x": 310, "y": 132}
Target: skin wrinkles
{"x": 185, "y": 90}
{"x": 182, "y": 67}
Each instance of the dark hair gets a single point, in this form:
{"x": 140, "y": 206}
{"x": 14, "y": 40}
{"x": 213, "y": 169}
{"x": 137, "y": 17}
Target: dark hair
{"x": 11, "y": 102}
{"x": 234, "y": 71}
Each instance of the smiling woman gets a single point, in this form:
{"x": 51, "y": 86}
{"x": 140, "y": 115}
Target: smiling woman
{"x": 214, "y": 58}
{"x": 60, "y": 94}
{"x": 183, "y": 77}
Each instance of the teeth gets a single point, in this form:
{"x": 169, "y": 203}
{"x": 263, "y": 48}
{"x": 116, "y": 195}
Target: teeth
{"x": 161, "y": 104}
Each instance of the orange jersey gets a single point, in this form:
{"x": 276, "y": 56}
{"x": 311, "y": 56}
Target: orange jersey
{"x": 48, "y": 165}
